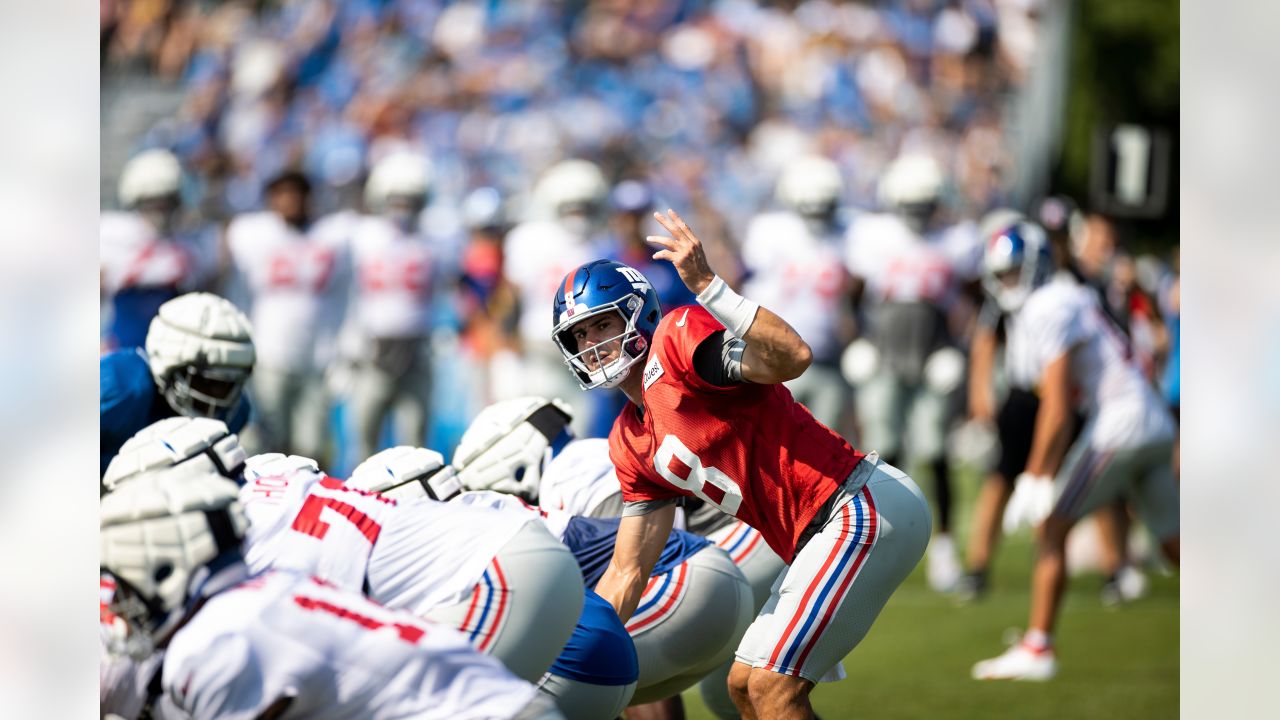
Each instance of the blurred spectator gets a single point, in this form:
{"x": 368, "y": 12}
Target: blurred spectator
{"x": 700, "y": 103}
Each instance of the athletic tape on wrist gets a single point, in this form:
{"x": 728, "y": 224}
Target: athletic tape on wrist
{"x": 733, "y": 311}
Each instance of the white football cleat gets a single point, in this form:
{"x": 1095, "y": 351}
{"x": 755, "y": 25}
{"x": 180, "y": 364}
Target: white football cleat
{"x": 942, "y": 568}
{"x": 1019, "y": 662}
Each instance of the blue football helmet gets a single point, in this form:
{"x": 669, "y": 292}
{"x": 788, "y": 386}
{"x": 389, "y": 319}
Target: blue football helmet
{"x": 591, "y": 290}
{"x": 1016, "y": 262}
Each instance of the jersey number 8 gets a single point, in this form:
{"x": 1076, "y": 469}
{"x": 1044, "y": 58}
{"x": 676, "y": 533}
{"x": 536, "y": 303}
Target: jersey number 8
{"x": 683, "y": 468}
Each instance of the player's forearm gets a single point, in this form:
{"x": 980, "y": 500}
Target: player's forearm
{"x": 981, "y": 363}
{"x": 1050, "y": 439}
{"x": 775, "y": 352}
{"x": 621, "y": 589}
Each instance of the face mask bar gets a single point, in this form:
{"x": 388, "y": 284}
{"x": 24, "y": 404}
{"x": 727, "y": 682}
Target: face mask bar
{"x": 609, "y": 374}
{"x": 186, "y": 395}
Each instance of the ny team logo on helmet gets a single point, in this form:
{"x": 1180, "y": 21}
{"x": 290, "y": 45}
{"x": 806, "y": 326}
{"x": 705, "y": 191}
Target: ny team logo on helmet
{"x": 1017, "y": 261}
{"x": 591, "y": 290}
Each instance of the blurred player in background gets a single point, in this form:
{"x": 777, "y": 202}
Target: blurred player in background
{"x": 538, "y": 253}
{"x": 291, "y": 274}
{"x": 396, "y": 275}
{"x": 710, "y": 418}
{"x": 213, "y": 640}
{"x": 794, "y": 266}
{"x": 149, "y": 252}
{"x": 1060, "y": 334}
{"x": 913, "y": 268}
{"x": 199, "y": 356}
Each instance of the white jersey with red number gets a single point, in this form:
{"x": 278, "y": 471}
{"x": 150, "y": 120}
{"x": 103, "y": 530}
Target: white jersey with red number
{"x": 395, "y": 275}
{"x": 579, "y": 478}
{"x": 555, "y": 521}
{"x": 536, "y": 257}
{"x": 296, "y": 287}
{"x": 133, "y": 255}
{"x": 415, "y": 555}
{"x": 1063, "y": 315}
{"x": 898, "y": 264}
{"x": 335, "y": 653}
{"x": 797, "y": 275}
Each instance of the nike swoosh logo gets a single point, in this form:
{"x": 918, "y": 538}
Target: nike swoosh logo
{"x": 680, "y": 322}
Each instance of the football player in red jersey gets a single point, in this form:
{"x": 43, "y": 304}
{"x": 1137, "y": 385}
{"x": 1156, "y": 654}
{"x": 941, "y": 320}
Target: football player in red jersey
{"x": 710, "y": 418}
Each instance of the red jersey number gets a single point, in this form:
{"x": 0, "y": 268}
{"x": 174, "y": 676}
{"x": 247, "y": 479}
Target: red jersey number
{"x": 408, "y": 633}
{"x": 681, "y": 467}
{"x": 308, "y": 520}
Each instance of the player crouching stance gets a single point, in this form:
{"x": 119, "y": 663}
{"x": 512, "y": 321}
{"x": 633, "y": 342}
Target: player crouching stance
{"x": 500, "y": 579}
{"x": 710, "y": 418}
{"x": 220, "y": 643}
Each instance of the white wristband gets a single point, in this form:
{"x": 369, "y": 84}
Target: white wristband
{"x": 732, "y": 310}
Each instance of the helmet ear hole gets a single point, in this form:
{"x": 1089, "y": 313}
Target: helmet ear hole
{"x": 652, "y": 317}
{"x": 162, "y": 572}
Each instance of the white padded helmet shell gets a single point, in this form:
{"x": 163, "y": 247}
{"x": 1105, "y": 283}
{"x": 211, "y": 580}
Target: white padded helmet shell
{"x": 913, "y": 179}
{"x": 173, "y": 441}
{"x": 407, "y": 473}
{"x": 401, "y": 174}
{"x": 158, "y": 534}
{"x": 572, "y": 182}
{"x": 507, "y": 444}
{"x": 199, "y": 334}
{"x": 149, "y": 174}
{"x": 810, "y": 184}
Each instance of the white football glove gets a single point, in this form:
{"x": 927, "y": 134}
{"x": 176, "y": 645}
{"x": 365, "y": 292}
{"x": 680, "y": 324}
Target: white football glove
{"x": 1030, "y": 504}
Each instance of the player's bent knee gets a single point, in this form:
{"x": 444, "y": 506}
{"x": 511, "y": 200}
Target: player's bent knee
{"x": 739, "y": 677}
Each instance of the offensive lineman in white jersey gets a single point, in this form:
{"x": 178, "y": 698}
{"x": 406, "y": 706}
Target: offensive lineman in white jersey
{"x": 538, "y": 253}
{"x": 463, "y": 567}
{"x": 795, "y": 266}
{"x": 291, "y": 276}
{"x": 1060, "y": 341}
{"x": 396, "y": 273}
{"x": 147, "y": 255}
{"x": 907, "y": 368}
{"x": 525, "y": 448}
{"x": 218, "y": 642}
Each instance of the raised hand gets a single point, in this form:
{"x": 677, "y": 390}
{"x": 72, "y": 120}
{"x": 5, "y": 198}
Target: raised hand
{"x": 684, "y": 250}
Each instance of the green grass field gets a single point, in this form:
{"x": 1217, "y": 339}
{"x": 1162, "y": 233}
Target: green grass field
{"x": 1113, "y": 662}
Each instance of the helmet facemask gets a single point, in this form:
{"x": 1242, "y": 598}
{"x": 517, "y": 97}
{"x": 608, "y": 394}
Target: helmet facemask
{"x": 197, "y": 391}
{"x": 630, "y": 346}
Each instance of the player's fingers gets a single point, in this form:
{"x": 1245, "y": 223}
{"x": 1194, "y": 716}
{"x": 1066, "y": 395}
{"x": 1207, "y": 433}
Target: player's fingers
{"x": 665, "y": 242}
{"x": 668, "y": 224}
{"x": 683, "y": 226}
{"x": 663, "y": 255}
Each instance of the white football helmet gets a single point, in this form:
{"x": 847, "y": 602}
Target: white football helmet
{"x": 402, "y": 177}
{"x": 201, "y": 353}
{"x": 167, "y": 537}
{"x": 204, "y": 442}
{"x": 407, "y": 473}
{"x": 149, "y": 175}
{"x": 575, "y": 190}
{"x": 810, "y": 185}
{"x": 912, "y": 187}
{"x": 509, "y": 443}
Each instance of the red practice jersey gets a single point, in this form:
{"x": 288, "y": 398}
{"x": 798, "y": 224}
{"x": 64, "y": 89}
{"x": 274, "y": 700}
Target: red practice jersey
{"x": 750, "y": 450}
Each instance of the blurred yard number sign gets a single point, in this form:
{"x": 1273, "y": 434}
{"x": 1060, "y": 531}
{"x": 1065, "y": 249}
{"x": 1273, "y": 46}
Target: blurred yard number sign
{"x": 1130, "y": 171}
